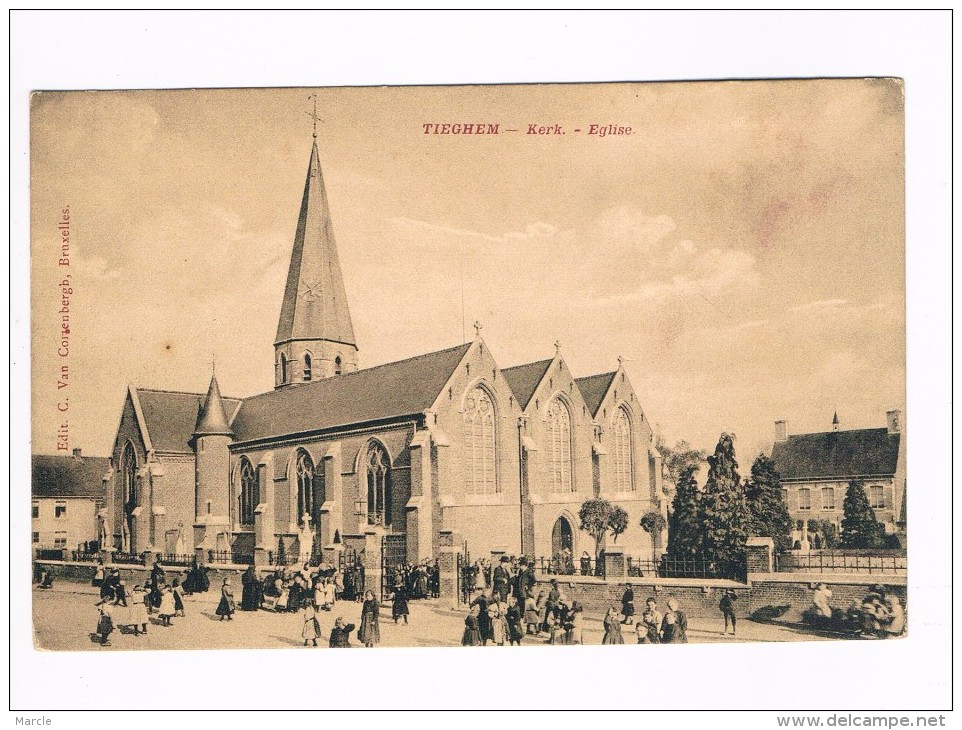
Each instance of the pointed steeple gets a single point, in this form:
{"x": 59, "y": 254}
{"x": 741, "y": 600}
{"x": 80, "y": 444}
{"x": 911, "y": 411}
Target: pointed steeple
{"x": 212, "y": 416}
{"x": 315, "y": 320}
{"x": 835, "y": 421}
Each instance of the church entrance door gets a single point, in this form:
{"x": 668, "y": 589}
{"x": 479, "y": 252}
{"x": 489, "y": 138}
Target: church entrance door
{"x": 561, "y": 537}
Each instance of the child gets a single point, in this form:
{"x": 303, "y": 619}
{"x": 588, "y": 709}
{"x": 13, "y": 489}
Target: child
{"x": 531, "y": 615}
{"x": 139, "y": 610}
{"x": 574, "y": 632}
{"x": 312, "y": 628}
{"x": 105, "y": 625}
{"x": 178, "y": 598}
{"x": 166, "y": 609}
{"x": 727, "y": 607}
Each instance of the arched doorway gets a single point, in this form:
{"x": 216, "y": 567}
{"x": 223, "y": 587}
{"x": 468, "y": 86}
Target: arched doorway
{"x": 561, "y": 537}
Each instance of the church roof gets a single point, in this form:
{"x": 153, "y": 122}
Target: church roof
{"x": 315, "y": 301}
{"x": 170, "y": 417}
{"x": 593, "y": 389}
{"x": 403, "y": 388}
{"x": 523, "y": 379}
{"x": 212, "y": 418}
{"x": 838, "y": 454}
{"x": 69, "y": 476}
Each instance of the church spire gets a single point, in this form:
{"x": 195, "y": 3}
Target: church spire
{"x": 212, "y": 416}
{"x": 315, "y": 336}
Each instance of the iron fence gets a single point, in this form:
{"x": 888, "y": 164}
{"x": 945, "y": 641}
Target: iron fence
{"x": 128, "y": 558}
{"x": 281, "y": 560}
{"x": 180, "y": 559}
{"x": 642, "y": 567}
{"x": 83, "y": 556}
{"x": 842, "y": 562}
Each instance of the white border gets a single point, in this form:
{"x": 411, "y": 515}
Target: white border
{"x": 77, "y": 50}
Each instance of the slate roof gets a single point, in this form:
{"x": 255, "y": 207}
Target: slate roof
{"x": 171, "y": 417}
{"x": 69, "y": 476}
{"x": 315, "y": 301}
{"x": 212, "y": 419}
{"x": 523, "y": 379}
{"x": 593, "y": 389}
{"x": 401, "y": 388}
{"x": 840, "y": 454}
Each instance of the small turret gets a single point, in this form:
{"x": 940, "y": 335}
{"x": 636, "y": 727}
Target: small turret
{"x": 211, "y": 445}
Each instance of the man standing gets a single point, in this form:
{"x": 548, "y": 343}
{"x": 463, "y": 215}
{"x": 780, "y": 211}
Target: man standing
{"x": 502, "y": 579}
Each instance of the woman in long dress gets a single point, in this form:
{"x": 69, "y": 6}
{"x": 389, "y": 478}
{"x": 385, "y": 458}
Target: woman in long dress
{"x": 226, "y": 607}
{"x": 499, "y": 628}
{"x": 251, "y": 587}
{"x": 612, "y": 628}
{"x": 370, "y": 631}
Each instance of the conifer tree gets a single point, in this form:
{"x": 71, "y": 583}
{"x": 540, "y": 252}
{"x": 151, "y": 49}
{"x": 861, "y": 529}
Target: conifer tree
{"x": 723, "y": 510}
{"x": 860, "y": 526}
{"x": 684, "y": 529}
{"x": 768, "y": 513}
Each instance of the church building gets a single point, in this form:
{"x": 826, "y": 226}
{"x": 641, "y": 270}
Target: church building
{"x": 445, "y": 441}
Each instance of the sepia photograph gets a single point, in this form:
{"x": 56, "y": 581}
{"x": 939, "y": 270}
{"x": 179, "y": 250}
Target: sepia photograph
{"x": 460, "y": 366}
{"x": 367, "y": 345}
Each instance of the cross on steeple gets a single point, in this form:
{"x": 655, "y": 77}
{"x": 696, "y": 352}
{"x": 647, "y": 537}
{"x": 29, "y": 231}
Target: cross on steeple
{"x": 557, "y": 347}
{"x": 313, "y": 114}
{"x": 477, "y": 328}
{"x": 621, "y": 361}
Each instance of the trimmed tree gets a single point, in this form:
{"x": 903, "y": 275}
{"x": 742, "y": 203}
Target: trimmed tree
{"x": 767, "y": 512}
{"x": 599, "y": 517}
{"x": 617, "y": 522}
{"x": 860, "y": 526}
{"x": 654, "y": 524}
{"x": 723, "y": 509}
{"x": 684, "y": 527}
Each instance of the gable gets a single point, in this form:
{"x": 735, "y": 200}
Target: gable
{"x": 593, "y": 389}
{"x": 524, "y": 379}
{"x": 170, "y": 417}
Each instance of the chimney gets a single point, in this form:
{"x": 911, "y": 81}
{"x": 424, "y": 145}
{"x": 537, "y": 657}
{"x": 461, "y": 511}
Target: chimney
{"x": 781, "y": 431}
{"x": 894, "y": 419}
{"x": 77, "y": 453}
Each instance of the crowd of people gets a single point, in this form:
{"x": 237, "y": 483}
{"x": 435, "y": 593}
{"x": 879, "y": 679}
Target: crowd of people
{"x": 287, "y": 590}
{"x": 506, "y": 609}
{"x": 879, "y": 615}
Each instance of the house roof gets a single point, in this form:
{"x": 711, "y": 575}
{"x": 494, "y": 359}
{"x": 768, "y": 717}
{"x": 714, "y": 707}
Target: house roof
{"x": 395, "y": 389}
{"x": 841, "y": 454}
{"x": 593, "y": 389}
{"x": 170, "y": 417}
{"x": 69, "y": 476}
{"x": 523, "y": 379}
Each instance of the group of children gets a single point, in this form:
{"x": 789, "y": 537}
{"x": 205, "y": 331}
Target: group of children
{"x": 118, "y": 608}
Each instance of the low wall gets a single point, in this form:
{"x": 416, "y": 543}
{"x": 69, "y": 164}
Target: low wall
{"x": 794, "y": 590}
{"x": 698, "y": 598}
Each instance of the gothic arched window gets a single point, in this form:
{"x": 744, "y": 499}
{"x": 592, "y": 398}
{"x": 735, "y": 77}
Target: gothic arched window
{"x": 377, "y": 474}
{"x": 559, "y": 447}
{"x": 480, "y": 443}
{"x": 283, "y": 368}
{"x": 623, "y": 461}
{"x": 307, "y": 367}
{"x": 249, "y": 492}
{"x": 304, "y": 471}
{"x": 129, "y": 476}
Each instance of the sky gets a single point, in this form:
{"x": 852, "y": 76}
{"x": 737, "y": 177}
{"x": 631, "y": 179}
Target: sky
{"x": 742, "y": 249}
